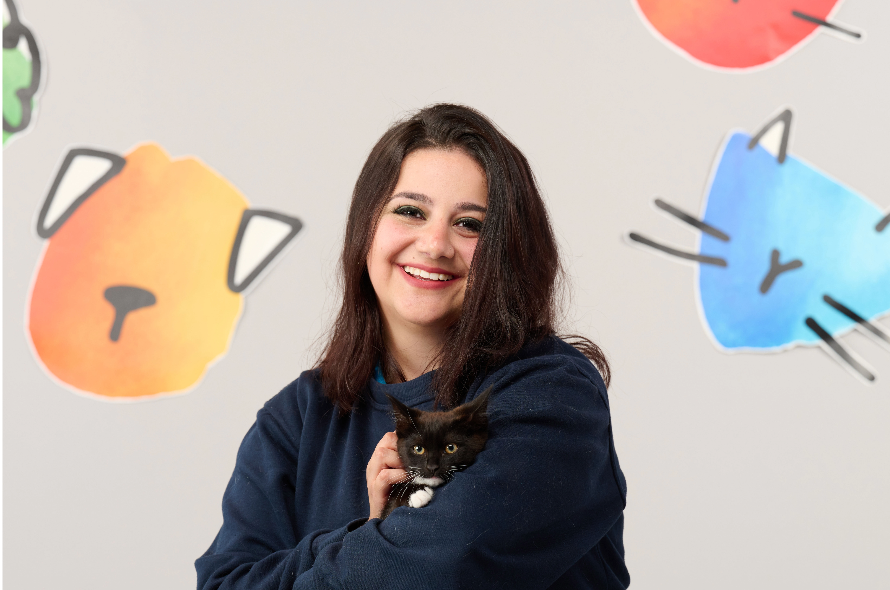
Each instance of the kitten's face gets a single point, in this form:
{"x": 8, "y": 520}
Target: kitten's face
{"x": 434, "y": 446}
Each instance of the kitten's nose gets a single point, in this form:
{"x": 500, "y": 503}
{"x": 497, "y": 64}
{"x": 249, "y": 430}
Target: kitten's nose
{"x": 125, "y": 299}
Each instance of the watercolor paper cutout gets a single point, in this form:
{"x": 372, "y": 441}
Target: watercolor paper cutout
{"x": 787, "y": 255}
{"x": 22, "y": 70}
{"x": 739, "y": 35}
{"x": 130, "y": 299}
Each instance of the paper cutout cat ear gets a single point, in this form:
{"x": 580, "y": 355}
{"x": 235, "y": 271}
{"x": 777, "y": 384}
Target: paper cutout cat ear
{"x": 141, "y": 281}
{"x": 787, "y": 256}
{"x": 22, "y": 70}
{"x": 740, "y": 34}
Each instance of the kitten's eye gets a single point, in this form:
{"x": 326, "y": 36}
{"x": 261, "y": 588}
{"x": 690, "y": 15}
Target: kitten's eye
{"x": 418, "y": 450}
{"x": 450, "y": 448}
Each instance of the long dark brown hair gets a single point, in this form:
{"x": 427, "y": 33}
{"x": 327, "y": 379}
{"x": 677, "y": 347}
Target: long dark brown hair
{"x": 512, "y": 289}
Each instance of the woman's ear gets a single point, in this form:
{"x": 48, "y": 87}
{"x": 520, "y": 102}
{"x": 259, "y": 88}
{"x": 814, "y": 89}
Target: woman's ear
{"x": 262, "y": 235}
{"x": 83, "y": 172}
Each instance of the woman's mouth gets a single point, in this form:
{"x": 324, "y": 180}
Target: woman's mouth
{"x": 426, "y": 276}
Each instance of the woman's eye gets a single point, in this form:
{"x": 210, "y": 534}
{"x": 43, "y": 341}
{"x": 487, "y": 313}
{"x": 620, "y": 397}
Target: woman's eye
{"x": 409, "y": 211}
{"x": 450, "y": 448}
{"x": 418, "y": 450}
{"x": 470, "y": 223}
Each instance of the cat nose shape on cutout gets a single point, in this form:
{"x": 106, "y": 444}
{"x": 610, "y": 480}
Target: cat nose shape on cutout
{"x": 775, "y": 269}
{"x": 125, "y": 299}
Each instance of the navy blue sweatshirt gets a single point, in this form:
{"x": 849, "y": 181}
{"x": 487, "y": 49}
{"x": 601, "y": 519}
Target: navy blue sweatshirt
{"x": 540, "y": 508}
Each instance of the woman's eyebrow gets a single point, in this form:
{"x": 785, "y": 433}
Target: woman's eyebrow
{"x": 470, "y": 207}
{"x": 422, "y": 198}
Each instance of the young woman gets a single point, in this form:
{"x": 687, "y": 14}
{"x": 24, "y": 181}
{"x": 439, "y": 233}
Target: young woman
{"x": 449, "y": 273}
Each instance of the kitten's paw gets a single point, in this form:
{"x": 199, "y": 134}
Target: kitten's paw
{"x": 420, "y": 498}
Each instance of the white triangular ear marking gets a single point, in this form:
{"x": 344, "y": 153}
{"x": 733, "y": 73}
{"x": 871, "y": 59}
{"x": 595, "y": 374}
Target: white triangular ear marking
{"x": 261, "y": 236}
{"x": 23, "y": 47}
{"x": 772, "y": 140}
{"x": 773, "y": 137}
{"x": 82, "y": 172}
{"x": 80, "y": 175}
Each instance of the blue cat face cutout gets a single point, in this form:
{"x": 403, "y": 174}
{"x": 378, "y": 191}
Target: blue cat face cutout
{"x": 787, "y": 255}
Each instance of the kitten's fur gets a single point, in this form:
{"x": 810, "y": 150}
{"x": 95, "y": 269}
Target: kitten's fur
{"x": 448, "y": 442}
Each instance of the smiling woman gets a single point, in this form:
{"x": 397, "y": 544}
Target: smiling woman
{"x": 449, "y": 274}
{"x": 509, "y": 290}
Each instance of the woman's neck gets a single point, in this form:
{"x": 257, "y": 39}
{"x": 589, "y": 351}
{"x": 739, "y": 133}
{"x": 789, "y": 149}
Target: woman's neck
{"x": 413, "y": 348}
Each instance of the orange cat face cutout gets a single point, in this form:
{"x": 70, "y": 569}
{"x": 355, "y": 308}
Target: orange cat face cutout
{"x": 139, "y": 287}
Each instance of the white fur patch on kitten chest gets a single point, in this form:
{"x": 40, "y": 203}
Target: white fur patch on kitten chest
{"x": 432, "y": 482}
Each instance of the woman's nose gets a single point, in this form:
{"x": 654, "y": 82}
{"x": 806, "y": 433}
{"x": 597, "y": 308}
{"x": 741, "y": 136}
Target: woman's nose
{"x": 435, "y": 240}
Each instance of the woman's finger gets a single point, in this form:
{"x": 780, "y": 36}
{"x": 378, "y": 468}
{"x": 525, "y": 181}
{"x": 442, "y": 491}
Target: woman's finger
{"x": 385, "y": 456}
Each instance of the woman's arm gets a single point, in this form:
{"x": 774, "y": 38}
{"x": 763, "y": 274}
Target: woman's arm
{"x": 538, "y": 499}
{"x": 256, "y": 546}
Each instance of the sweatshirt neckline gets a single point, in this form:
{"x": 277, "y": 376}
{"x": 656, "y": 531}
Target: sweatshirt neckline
{"x": 410, "y": 393}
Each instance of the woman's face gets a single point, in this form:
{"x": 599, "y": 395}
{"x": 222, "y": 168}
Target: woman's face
{"x": 424, "y": 243}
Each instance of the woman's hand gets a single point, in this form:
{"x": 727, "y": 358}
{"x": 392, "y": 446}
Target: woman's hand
{"x": 384, "y": 469}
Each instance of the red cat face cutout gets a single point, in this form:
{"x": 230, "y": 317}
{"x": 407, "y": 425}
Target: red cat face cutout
{"x": 739, "y": 34}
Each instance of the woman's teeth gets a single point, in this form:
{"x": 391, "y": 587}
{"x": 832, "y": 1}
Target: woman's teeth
{"x": 432, "y": 276}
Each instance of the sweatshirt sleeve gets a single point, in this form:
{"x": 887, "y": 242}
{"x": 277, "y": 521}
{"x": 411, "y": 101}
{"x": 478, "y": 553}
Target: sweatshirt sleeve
{"x": 540, "y": 496}
{"x": 256, "y": 546}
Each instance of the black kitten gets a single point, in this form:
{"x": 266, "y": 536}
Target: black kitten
{"x": 434, "y": 446}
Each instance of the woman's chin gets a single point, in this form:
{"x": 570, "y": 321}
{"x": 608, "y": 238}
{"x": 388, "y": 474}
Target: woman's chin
{"x": 432, "y": 323}
{"x": 427, "y": 320}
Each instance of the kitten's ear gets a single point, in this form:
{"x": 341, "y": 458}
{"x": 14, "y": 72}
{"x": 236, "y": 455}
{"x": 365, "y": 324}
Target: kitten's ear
{"x": 402, "y": 415}
{"x": 476, "y": 409}
{"x": 81, "y": 174}
{"x": 773, "y": 137}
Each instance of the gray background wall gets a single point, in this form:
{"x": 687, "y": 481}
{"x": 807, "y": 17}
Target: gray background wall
{"x": 744, "y": 471}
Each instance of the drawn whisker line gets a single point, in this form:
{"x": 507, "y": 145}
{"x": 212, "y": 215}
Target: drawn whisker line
{"x": 694, "y": 222}
{"x": 825, "y": 24}
{"x": 882, "y": 223}
{"x": 838, "y": 349}
{"x": 871, "y": 327}
{"x": 678, "y": 253}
